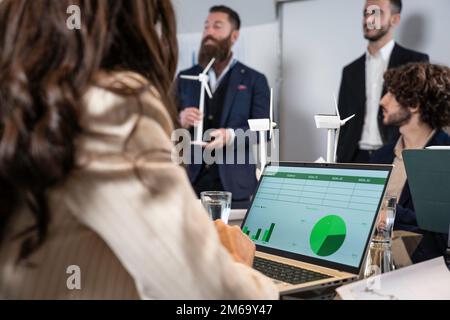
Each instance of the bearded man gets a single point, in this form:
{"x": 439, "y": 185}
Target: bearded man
{"x": 418, "y": 103}
{"x": 362, "y": 84}
{"x": 239, "y": 93}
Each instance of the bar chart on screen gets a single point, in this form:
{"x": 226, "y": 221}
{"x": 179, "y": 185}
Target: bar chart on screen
{"x": 266, "y": 236}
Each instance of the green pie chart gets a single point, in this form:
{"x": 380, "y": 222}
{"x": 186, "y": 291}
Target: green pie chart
{"x": 328, "y": 235}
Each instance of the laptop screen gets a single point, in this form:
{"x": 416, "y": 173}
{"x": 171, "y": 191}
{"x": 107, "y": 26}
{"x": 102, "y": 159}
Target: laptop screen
{"x": 321, "y": 214}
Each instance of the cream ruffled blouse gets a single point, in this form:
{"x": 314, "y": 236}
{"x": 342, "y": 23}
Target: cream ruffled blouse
{"x": 129, "y": 238}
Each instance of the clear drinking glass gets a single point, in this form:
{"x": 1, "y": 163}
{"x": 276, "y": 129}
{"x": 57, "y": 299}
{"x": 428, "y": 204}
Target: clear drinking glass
{"x": 386, "y": 219}
{"x": 380, "y": 259}
{"x": 217, "y": 204}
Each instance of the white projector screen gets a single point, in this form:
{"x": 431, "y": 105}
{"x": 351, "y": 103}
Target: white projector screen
{"x": 320, "y": 37}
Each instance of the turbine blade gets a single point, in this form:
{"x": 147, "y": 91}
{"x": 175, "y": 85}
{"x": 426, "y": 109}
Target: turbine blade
{"x": 343, "y": 122}
{"x": 336, "y": 106}
{"x": 208, "y": 90}
{"x": 271, "y": 113}
{"x": 271, "y": 105}
{"x": 189, "y": 77}
{"x": 209, "y": 66}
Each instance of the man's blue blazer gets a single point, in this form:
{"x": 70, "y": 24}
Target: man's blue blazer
{"x": 247, "y": 97}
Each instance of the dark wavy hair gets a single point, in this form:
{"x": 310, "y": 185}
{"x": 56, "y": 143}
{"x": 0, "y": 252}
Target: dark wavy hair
{"x": 424, "y": 85}
{"x": 397, "y": 6}
{"x": 233, "y": 16}
{"x": 45, "y": 68}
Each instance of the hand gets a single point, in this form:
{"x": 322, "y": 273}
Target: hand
{"x": 236, "y": 242}
{"x": 221, "y": 137}
{"x": 190, "y": 117}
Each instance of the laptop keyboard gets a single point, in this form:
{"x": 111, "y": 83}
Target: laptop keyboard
{"x": 286, "y": 273}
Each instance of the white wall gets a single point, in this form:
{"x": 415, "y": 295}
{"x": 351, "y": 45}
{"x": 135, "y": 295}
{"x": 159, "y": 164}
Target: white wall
{"x": 191, "y": 14}
{"x": 257, "y": 47}
{"x": 320, "y": 37}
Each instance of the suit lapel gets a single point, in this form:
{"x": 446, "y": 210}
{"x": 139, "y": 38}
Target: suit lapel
{"x": 394, "y": 61}
{"x": 360, "y": 90}
{"x": 396, "y": 56}
{"x": 195, "y": 97}
{"x": 361, "y": 77}
{"x": 237, "y": 72}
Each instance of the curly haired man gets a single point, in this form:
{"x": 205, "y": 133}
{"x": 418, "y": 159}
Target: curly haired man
{"x": 418, "y": 103}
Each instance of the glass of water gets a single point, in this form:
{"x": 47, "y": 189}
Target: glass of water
{"x": 380, "y": 259}
{"x": 386, "y": 219}
{"x": 217, "y": 204}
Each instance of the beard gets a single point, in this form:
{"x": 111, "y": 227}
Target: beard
{"x": 399, "y": 118}
{"x": 377, "y": 36}
{"x": 219, "y": 49}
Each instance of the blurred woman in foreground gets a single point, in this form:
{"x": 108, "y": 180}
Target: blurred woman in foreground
{"x": 92, "y": 206}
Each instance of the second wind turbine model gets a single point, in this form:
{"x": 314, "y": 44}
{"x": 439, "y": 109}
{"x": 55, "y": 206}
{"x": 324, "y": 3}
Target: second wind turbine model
{"x": 262, "y": 126}
{"x": 333, "y": 123}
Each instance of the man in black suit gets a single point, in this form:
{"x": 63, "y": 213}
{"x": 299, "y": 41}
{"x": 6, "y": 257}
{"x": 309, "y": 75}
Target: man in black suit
{"x": 362, "y": 84}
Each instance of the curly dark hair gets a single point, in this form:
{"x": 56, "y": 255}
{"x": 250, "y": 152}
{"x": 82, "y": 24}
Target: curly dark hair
{"x": 424, "y": 85}
{"x": 233, "y": 16}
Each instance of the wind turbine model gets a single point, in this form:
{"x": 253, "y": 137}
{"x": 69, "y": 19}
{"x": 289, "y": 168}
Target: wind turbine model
{"x": 204, "y": 79}
{"x": 333, "y": 123}
{"x": 262, "y": 126}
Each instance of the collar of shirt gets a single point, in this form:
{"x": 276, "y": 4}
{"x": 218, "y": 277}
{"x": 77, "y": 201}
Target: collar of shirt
{"x": 384, "y": 52}
{"x": 400, "y": 146}
{"x": 213, "y": 80}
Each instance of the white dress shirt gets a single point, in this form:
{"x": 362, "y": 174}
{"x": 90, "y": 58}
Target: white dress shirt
{"x": 376, "y": 66}
{"x": 214, "y": 80}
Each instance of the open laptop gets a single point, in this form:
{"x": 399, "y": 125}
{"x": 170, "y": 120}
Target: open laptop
{"x": 312, "y": 223}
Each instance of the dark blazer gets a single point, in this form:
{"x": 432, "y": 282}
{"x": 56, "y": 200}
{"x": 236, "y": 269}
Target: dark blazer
{"x": 432, "y": 245}
{"x": 352, "y": 100}
{"x": 247, "y": 97}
